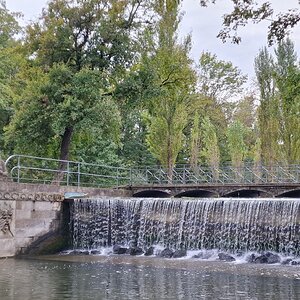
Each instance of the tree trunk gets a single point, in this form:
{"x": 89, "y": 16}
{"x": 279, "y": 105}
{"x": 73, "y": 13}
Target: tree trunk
{"x": 64, "y": 154}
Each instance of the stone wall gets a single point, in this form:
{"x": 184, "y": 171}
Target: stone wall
{"x": 24, "y": 217}
{"x": 30, "y": 211}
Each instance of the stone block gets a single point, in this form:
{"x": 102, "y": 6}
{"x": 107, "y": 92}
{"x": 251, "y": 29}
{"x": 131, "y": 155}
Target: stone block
{"x": 7, "y": 247}
{"x": 43, "y": 215}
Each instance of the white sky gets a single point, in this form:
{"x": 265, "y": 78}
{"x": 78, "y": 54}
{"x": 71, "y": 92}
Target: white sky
{"x": 204, "y": 24}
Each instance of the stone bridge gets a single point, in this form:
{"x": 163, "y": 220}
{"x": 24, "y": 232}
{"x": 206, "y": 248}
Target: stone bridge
{"x": 266, "y": 190}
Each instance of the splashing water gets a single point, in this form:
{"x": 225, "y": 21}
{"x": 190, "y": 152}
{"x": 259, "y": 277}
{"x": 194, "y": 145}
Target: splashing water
{"x": 194, "y": 224}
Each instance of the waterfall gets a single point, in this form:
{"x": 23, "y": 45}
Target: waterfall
{"x": 231, "y": 225}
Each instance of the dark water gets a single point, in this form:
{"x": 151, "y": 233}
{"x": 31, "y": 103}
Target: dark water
{"x": 123, "y": 277}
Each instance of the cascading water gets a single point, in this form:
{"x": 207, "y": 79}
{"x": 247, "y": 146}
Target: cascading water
{"x": 230, "y": 225}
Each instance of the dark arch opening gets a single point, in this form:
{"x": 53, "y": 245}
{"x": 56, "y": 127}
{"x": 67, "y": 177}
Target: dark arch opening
{"x": 197, "y": 194}
{"x": 247, "y": 194}
{"x": 290, "y": 194}
{"x": 152, "y": 194}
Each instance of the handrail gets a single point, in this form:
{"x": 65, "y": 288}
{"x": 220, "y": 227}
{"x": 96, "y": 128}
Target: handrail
{"x": 26, "y": 168}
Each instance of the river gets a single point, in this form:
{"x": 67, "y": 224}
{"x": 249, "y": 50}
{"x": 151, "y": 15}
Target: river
{"x": 125, "y": 277}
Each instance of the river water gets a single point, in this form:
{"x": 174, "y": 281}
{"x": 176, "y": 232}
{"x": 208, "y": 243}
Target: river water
{"x": 125, "y": 277}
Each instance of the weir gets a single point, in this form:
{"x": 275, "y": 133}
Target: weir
{"x": 231, "y": 225}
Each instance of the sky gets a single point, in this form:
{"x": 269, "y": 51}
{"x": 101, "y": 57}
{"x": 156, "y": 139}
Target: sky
{"x": 204, "y": 25}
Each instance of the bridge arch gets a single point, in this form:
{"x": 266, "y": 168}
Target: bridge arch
{"x": 197, "y": 193}
{"x": 152, "y": 194}
{"x": 247, "y": 193}
{"x": 295, "y": 193}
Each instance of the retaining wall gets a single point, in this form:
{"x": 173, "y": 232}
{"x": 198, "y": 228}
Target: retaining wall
{"x": 29, "y": 212}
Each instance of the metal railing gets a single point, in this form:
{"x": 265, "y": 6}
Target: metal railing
{"x": 226, "y": 174}
{"x": 31, "y": 169}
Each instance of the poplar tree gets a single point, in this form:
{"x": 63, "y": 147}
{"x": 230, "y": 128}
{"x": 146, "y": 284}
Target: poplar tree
{"x": 287, "y": 78}
{"x": 268, "y": 110}
{"x": 236, "y": 134}
{"x": 210, "y": 151}
{"x": 167, "y": 112}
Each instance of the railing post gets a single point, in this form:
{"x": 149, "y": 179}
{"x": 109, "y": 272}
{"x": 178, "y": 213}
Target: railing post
{"x": 68, "y": 173}
{"x": 117, "y": 176}
{"x": 78, "y": 174}
{"x": 19, "y": 166}
{"x": 130, "y": 176}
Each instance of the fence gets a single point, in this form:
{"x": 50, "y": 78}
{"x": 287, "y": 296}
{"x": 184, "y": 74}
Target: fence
{"x": 33, "y": 169}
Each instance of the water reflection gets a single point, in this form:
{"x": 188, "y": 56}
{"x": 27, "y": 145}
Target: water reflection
{"x": 121, "y": 278}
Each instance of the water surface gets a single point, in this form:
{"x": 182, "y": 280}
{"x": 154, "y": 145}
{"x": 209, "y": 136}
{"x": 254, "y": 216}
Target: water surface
{"x": 123, "y": 277}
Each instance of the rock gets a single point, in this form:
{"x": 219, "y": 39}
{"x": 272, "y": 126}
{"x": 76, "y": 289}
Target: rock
{"x": 167, "y": 253}
{"x": 117, "y": 249}
{"x": 179, "y": 253}
{"x": 251, "y": 258}
{"x": 203, "y": 255}
{"x": 262, "y": 259}
{"x": 267, "y": 258}
{"x": 273, "y": 258}
{"x": 136, "y": 251}
{"x": 149, "y": 251}
{"x": 95, "y": 252}
{"x": 225, "y": 257}
{"x": 79, "y": 252}
{"x": 287, "y": 261}
{"x": 295, "y": 263}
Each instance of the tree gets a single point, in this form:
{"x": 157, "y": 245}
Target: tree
{"x": 82, "y": 48}
{"x": 236, "y": 134}
{"x": 174, "y": 79}
{"x": 10, "y": 61}
{"x": 287, "y": 82}
{"x": 210, "y": 149}
{"x": 195, "y": 142}
{"x": 245, "y": 11}
{"x": 218, "y": 79}
{"x": 219, "y": 85}
{"x": 279, "y": 107}
{"x": 268, "y": 110}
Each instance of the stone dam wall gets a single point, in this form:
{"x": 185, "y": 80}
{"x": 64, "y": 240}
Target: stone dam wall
{"x": 31, "y": 213}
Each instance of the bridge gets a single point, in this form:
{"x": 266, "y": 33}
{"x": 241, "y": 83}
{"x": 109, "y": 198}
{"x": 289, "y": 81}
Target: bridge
{"x": 153, "y": 181}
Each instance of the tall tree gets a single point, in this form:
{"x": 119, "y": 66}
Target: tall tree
{"x": 175, "y": 78}
{"x": 218, "y": 79}
{"x": 210, "y": 148}
{"x": 287, "y": 82}
{"x": 268, "y": 110}
{"x": 83, "y": 47}
{"x": 219, "y": 84}
{"x": 236, "y": 134}
{"x": 10, "y": 61}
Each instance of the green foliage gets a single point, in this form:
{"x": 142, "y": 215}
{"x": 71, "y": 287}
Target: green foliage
{"x": 279, "y": 109}
{"x": 236, "y": 134}
{"x": 173, "y": 81}
{"x": 195, "y": 142}
{"x": 56, "y": 101}
{"x": 210, "y": 152}
{"x": 165, "y": 138}
{"x": 219, "y": 79}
